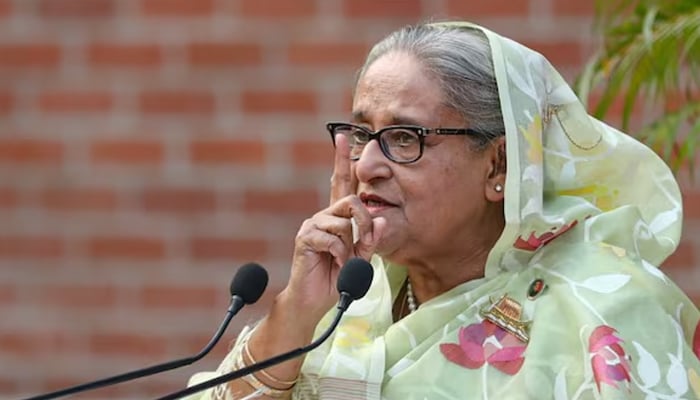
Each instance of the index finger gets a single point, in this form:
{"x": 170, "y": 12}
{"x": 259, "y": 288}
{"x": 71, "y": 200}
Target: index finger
{"x": 341, "y": 181}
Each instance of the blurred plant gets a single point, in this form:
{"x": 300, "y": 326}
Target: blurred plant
{"x": 650, "y": 55}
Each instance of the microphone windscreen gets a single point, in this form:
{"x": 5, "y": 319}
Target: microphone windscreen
{"x": 355, "y": 277}
{"x": 249, "y": 283}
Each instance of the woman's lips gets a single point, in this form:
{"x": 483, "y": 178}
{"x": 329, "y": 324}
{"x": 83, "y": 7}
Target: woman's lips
{"x": 375, "y": 203}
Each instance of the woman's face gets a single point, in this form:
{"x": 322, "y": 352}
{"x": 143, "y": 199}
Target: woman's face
{"x": 437, "y": 206}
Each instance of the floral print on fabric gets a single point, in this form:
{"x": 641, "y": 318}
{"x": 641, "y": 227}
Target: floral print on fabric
{"x": 353, "y": 333}
{"x": 534, "y": 141}
{"x": 535, "y": 242}
{"x": 485, "y": 342}
{"x": 609, "y": 360}
{"x": 696, "y": 340}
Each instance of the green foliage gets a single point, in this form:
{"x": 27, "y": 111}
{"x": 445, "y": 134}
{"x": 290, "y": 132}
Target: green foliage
{"x": 649, "y": 60}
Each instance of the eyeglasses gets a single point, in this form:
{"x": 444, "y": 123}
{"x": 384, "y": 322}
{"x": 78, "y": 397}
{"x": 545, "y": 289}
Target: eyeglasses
{"x": 401, "y": 144}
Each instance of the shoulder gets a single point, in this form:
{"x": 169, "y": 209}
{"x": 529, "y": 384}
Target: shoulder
{"x": 611, "y": 320}
{"x": 605, "y": 273}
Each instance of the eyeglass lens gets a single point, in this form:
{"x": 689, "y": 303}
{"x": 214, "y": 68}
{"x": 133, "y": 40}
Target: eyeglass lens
{"x": 399, "y": 144}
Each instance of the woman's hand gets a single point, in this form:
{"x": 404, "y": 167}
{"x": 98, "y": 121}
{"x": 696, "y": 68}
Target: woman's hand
{"x": 325, "y": 242}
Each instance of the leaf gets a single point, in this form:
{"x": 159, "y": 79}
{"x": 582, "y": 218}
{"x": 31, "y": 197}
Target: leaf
{"x": 454, "y": 353}
{"x": 507, "y": 354}
{"x": 560, "y": 392}
{"x": 676, "y": 377}
{"x": 649, "y": 58}
{"x": 653, "y": 270}
{"x": 647, "y": 367}
{"x": 605, "y": 283}
{"x": 694, "y": 382}
{"x": 508, "y": 367}
{"x": 664, "y": 220}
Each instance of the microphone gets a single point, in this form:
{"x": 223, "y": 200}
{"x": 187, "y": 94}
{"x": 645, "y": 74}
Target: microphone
{"x": 247, "y": 286}
{"x": 353, "y": 283}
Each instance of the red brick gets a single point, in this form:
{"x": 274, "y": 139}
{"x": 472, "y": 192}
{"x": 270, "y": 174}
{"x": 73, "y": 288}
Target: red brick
{"x": 179, "y": 200}
{"x": 615, "y": 109}
{"x": 5, "y": 10}
{"x": 8, "y": 294}
{"x": 327, "y": 54}
{"x": 560, "y": 53}
{"x": 493, "y": 8}
{"x": 124, "y": 55}
{"x": 691, "y": 204}
{"x": 8, "y": 385}
{"x": 65, "y": 377}
{"x": 77, "y": 199}
{"x": 224, "y": 54}
{"x": 76, "y": 296}
{"x": 68, "y": 101}
{"x": 574, "y": 8}
{"x": 7, "y": 103}
{"x": 30, "y": 247}
{"x": 126, "y": 248}
{"x": 178, "y": 8}
{"x": 127, "y": 152}
{"x": 76, "y": 8}
{"x": 347, "y": 100}
{"x": 60, "y": 379}
{"x": 155, "y": 387}
{"x": 695, "y": 298}
{"x": 8, "y": 198}
{"x": 281, "y": 201}
{"x": 125, "y": 344}
{"x": 192, "y": 344}
{"x": 178, "y": 297}
{"x": 674, "y": 100}
{"x": 177, "y": 102}
{"x": 20, "y": 344}
{"x": 251, "y": 152}
{"x": 37, "y": 342}
{"x": 684, "y": 257}
{"x": 30, "y": 151}
{"x": 208, "y": 248}
{"x": 383, "y": 8}
{"x": 30, "y": 55}
{"x": 313, "y": 153}
{"x": 277, "y": 9}
{"x": 279, "y": 102}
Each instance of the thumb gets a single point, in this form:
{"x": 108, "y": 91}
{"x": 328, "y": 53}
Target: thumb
{"x": 366, "y": 249}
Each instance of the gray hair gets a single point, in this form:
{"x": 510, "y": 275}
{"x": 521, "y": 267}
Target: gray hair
{"x": 459, "y": 59}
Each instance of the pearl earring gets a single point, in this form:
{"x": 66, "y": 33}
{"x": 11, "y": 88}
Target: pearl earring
{"x": 498, "y": 188}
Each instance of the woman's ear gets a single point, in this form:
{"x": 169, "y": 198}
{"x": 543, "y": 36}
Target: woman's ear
{"x": 496, "y": 180}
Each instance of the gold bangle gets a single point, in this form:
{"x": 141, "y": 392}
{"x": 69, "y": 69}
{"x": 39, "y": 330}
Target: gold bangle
{"x": 279, "y": 384}
{"x": 258, "y": 386}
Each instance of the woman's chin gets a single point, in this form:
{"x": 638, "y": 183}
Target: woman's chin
{"x": 388, "y": 249}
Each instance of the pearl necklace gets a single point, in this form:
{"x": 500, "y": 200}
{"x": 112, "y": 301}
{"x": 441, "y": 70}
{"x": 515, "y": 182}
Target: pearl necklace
{"x": 412, "y": 307}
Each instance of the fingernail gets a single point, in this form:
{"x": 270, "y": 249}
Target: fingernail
{"x": 355, "y": 231}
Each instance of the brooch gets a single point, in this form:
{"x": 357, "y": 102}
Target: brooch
{"x": 506, "y": 313}
{"x": 536, "y": 288}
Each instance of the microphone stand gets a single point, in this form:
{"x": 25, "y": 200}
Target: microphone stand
{"x": 236, "y": 304}
{"x": 265, "y": 363}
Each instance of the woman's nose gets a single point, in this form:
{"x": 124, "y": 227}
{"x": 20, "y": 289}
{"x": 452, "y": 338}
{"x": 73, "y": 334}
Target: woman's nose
{"x": 372, "y": 163}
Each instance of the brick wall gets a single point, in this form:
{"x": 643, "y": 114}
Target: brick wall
{"x": 149, "y": 147}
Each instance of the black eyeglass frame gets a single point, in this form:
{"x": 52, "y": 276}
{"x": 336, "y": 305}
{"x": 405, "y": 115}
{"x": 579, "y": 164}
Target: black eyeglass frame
{"x": 421, "y": 131}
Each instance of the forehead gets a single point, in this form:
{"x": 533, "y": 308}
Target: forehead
{"x": 396, "y": 89}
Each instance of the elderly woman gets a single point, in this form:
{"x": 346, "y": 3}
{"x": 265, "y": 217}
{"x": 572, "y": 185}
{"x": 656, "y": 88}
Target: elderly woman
{"x": 514, "y": 240}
